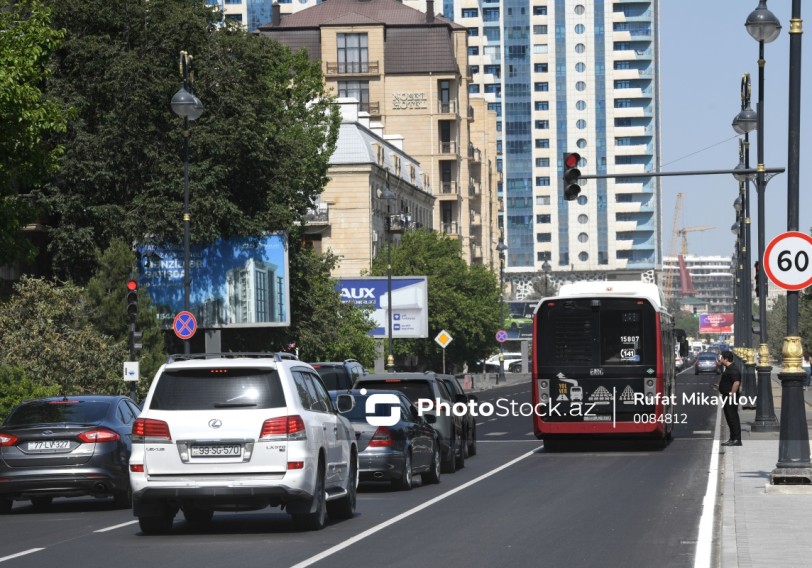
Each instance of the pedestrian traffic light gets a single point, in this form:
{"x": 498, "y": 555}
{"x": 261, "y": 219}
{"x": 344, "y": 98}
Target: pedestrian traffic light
{"x": 571, "y": 175}
{"x": 132, "y": 299}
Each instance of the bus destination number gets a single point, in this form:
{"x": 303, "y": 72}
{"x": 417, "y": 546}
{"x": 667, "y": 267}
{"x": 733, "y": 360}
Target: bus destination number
{"x": 661, "y": 419}
{"x": 629, "y": 338}
{"x": 596, "y": 372}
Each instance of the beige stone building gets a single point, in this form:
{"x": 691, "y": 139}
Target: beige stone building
{"x": 409, "y": 71}
{"x": 350, "y": 218}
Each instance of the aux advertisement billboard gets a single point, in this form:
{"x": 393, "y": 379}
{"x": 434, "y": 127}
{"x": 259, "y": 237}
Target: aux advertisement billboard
{"x": 410, "y": 304}
{"x": 238, "y": 282}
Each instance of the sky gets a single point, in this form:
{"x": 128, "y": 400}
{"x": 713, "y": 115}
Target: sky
{"x": 704, "y": 51}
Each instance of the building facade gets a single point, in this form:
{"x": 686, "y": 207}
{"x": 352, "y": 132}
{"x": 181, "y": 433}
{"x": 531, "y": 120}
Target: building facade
{"x": 408, "y": 70}
{"x": 710, "y": 288}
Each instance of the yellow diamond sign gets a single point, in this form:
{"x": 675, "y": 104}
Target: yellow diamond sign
{"x": 443, "y": 339}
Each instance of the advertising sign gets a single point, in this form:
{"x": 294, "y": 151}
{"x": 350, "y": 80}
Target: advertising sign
{"x": 410, "y": 303}
{"x": 519, "y": 323}
{"x": 716, "y": 323}
{"x": 234, "y": 282}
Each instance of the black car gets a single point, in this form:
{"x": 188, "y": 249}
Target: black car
{"x": 394, "y": 452}
{"x": 469, "y": 421}
{"x": 339, "y": 375}
{"x": 67, "y": 447}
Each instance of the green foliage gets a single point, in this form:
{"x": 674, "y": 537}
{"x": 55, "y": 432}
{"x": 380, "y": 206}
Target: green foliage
{"x": 463, "y": 299}
{"x": 16, "y": 386}
{"x": 26, "y": 116}
{"x": 777, "y": 328}
{"x": 688, "y": 322}
{"x": 258, "y": 156}
{"x": 45, "y": 330}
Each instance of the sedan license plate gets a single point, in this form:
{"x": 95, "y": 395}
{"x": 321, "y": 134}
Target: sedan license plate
{"x": 217, "y": 451}
{"x": 49, "y": 445}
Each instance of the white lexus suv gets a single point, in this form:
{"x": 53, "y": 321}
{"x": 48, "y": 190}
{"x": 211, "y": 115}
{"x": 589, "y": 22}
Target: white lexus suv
{"x": 238, "y": 432}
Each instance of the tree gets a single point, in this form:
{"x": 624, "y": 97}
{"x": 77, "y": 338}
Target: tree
{"x": 16, "y": 386}
{"x": 463, "y": 299}
{"x": 45, "y": 331}
{"x": 26, "y": 116}
{"x": 258, "y": 155}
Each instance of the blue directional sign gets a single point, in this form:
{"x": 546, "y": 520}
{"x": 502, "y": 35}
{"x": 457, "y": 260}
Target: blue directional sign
{"x": 501, "y": 336}
{"x": 185, "y": 325}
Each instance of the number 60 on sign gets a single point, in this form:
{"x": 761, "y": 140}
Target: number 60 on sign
{"x": 788, "y": 260}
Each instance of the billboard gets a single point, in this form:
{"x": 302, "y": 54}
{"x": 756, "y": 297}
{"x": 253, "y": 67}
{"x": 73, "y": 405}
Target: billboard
{"x": 716, "y": 323}
{"x": 410, "y": 304}
{"x": 238, "y": 282}
{"x": 519, "y": 322}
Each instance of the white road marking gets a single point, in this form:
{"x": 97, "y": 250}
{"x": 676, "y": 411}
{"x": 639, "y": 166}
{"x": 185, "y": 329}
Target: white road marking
{"x": 496, "y": 433}
{"x": 701, "y": 432}
{"x": 377, "y": 528}
{"x": 704, "y": 543}
{"x": 23, "y": 553}
{"x": 114, "y": 527}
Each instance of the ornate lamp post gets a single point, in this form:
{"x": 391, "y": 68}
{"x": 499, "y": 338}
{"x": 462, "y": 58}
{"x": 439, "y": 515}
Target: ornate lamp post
{"x": 189, "y": 107}
{"x": 388, "y": 197}
{"x": 764, "y": 27}
{"x": 501, "y": 248}
{"x": 546, "y": 268}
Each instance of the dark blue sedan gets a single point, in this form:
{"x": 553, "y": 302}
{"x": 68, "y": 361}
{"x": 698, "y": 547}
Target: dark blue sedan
{"x": 406, "y": 445}
{"x": 67, "y": 447}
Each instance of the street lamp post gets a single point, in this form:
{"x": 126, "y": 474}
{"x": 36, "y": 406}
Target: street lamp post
{"x": 501, "y": 248}
{"x": 764, "y": 27}
{"x": 388, "y": 196}
{"x": 189, "y": 107}
{"x": 793, "y": 451}
{"x": 546, "y": 268}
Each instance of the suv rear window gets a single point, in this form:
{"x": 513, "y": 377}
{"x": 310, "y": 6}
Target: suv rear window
{"x": 334, "y": 378}
{"x": 52, "y": 412}
{"x": 413, "y": 390}
{"x": 205, "y": 389}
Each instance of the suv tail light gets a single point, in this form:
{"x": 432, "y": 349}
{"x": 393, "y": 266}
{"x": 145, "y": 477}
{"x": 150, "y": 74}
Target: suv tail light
{"x": 98, "y": 435}
{"x": 7, "y": 440}
{"x": 290, "y": 427}
{"x": 382, "y": 438}
{"x": 150, "y": 428}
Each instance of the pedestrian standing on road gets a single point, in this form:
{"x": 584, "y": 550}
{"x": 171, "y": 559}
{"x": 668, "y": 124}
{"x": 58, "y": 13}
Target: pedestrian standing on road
{"x": 729, "y": 385}
{"x": 807, "y": 366}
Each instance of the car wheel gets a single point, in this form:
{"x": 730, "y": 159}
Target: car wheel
{"x": 449, "y": 464}
{"x": 6, "y": 505}
{"x": 195, "y": 515}
{"x": 404, "y": 483}
{"x": 433, "y": 474}
{"x": 41, "y": 503}
{"x": 317, "y": 518}
{"x": 472, "y": 444}
{"x": 157, "y": 524}
{"x": 344, "y": 508}
{"x": 463, "y": 448}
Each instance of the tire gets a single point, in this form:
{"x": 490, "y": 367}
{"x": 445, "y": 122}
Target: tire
{"x": 472, "y": 444}
{"x": 459, "y": 461}
{"x": 432, "y": 476}
{"x": 404, "y": 483}
{"x": 6, "y": 505}
{"x": 41, "y": 503}
{"x": 316, "y": 519}
{"x": 159, "y": 524}
{"x": 344, "y": 508}
{"x": 449, "y": 465}
{"x": 196, "y": 516}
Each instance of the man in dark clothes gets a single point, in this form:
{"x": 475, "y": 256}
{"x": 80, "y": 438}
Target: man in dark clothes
{"x": 729, "y": 385}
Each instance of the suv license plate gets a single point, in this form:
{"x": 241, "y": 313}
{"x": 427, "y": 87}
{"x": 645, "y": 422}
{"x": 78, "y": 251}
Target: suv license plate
{"x": 216, "y": 451}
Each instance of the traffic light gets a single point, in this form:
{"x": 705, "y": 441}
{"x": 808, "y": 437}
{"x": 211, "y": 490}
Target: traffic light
{"x": 757, "y": 269}
{"x": 132, "y": 299}
{"x": 571, "y": 175}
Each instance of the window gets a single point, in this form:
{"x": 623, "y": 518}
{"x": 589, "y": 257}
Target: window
{"x": 580, "y": 105}
{"x": 473, "y": 88}
{"x": 353, "y": 54}
{"x": 491, "y": 33}
{"x": 540, "y": 48}
{"x": 493, "y": 51}
{"x": 541, "y": 87}
{"x": 540, "y": 30}
{"x": 473, "y": 50}
{"x": 494, "y": 70}
{"x": 580, "y": 67}
{"x": 544, "y": 237}
{"x": 542, "y": 105}
{"x": 496, "y": 107}
{"x": 493, "y": 88}
{"x": 542, "y": 162}
{"x": 579, "y": 29}
{"x": 544, "y": 218}
{"x": 582, "y": 199}
{"x": 583, "y": 256}
{"x": 543, "y": 143}
{"x": 358, "y": 90}
{"x": 583, "y": 219}
{"x": 542, "y": 124}
{"x": 490, "y": 14}
{"x": 540, "y": 67}
{"x": 473, "y": 69}
{"x": 579, "y": 9}
{"x": 623, "y": 65}
{"x": 581, "y": 143}
{"x": 583, "y": 237}
{"x": 470, "y": 12}
{"x": 580, "y": 86}
{"x": 543, "y": 200}
{"x": 473, "y": 32}
{"x": 539, "y": 10}
{"x": 542, "y": 181}
{"x": 623, "y": 84}
{"x": 623, "y": 103}
{"x": 580, "y": 48}
{"x": 580, "y": 124}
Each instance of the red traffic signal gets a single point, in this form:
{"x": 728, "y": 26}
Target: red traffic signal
{"x": 132, "y": 299}
{"x": 132, "y": 285}
{"x": 571, "y": 175}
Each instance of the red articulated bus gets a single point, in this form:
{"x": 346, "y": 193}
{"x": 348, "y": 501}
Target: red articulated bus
{"x": 603, "y": 364}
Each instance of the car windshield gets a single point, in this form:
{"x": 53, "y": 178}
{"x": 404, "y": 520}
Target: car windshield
{"x": 205, "y": 389}
{"x": 58, "y": 412}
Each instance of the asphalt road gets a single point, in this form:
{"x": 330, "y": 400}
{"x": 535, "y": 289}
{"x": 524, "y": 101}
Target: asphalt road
{"x": 512, "y": 503}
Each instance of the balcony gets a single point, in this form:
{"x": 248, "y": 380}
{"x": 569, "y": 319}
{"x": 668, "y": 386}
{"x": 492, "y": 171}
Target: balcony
{"x": 449, "y": 188}
{"x": 447, "y": 107}
{"x": 451, "y": 229}
{"x": 476, "y": 219}
{"x": 474, "y": 154}
{"x": 474, "y": 188}
{"x": 316, "y": 220}
{"x": 476, "y": 251}
{"x": 448, "y": 147}
{"x": 344, "y": 68}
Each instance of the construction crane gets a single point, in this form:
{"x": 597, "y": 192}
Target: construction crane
{"x": 684, "y": 234}
{"x": 668, "y": 275}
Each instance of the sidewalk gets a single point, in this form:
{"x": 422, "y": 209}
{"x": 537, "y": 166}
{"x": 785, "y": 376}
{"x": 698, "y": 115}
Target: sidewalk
{"x": 482, "y": 382}
{"x": 761, "y": 525}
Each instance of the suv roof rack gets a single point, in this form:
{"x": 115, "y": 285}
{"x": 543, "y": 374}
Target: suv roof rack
{"x": 278, "y": 356}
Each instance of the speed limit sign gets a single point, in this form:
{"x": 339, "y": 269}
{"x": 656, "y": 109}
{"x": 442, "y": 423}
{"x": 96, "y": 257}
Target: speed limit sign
{"x": 788, "y": 260}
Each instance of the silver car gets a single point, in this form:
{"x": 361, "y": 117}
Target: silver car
{"x": 237, "y": 433}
